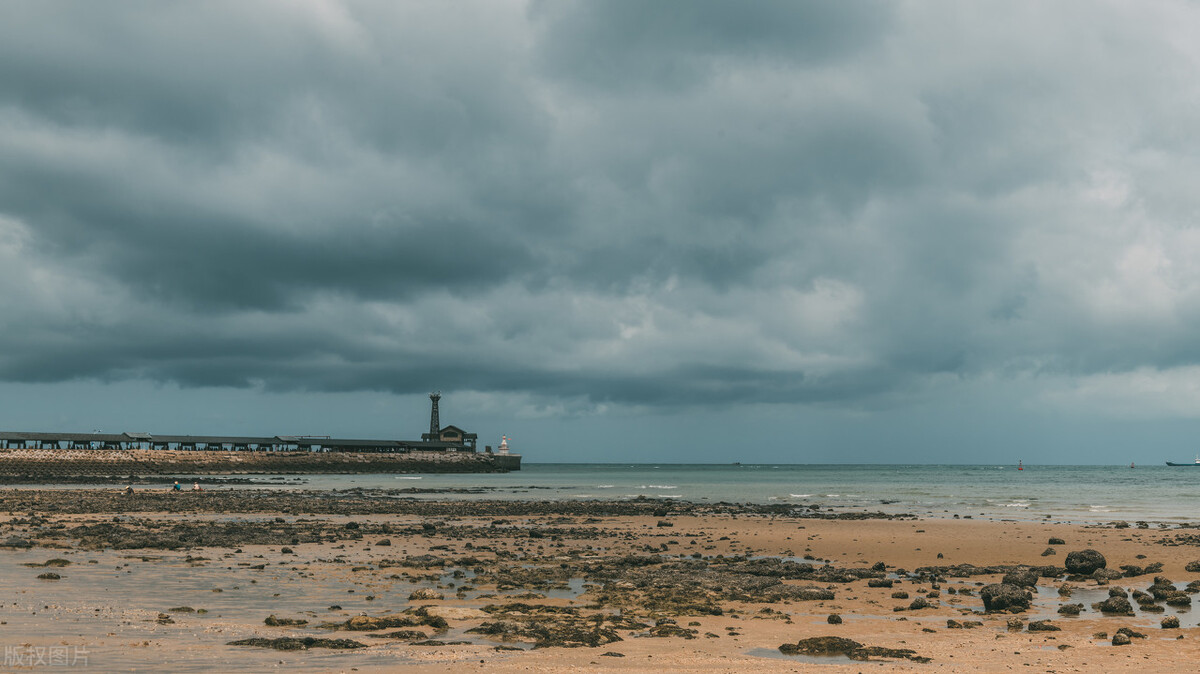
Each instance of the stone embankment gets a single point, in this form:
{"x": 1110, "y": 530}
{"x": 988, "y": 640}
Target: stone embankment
{"x": 51, "y": 463}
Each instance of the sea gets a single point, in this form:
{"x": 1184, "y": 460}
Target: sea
{"x": 1084, "y": 494}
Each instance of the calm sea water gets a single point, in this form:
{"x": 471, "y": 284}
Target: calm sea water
{"x": 1073, "y": 493}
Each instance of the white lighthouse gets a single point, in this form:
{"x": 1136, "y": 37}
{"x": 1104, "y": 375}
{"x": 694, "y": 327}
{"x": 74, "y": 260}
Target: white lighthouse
{"x": 503, "y": 448}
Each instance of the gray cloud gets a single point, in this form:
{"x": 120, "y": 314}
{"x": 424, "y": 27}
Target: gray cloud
{"x": 645, "y": 205}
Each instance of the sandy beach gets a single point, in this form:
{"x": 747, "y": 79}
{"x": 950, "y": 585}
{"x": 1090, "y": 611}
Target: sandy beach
{"x": 368, "y": 581}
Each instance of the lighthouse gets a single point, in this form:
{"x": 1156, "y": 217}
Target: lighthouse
{"x": 503, "y": 448}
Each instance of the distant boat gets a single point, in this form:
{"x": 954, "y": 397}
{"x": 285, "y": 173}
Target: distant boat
{"x": 1131, "y": 464}
{"x": 1195, "y": 463}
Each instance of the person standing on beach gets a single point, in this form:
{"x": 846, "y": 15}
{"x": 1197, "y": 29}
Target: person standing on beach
{"x": 177, "y": 487}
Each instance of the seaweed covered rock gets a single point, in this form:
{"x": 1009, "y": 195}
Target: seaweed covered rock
{"x": 821, "y": 646}
{"x": 272, "y": 621}
{"x": 1085, "y": 562}
{"x": 1001, "y": 597}
{"x": 847, "y": 647}
{"x": 1020, "y": 578}
{"x": 298, "y": 643}
{"x": 1114, "y": 606}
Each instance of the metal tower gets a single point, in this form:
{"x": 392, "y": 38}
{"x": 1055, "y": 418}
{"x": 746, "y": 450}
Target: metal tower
{"x": 435, "y": 425}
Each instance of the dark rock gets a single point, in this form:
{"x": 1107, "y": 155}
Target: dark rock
{"x": 1049, "y": 551}
{"x": 1084, "y": 562}
{"x": 49, "y": 575}
{"x": 1120, "y": 640}
{"x": 1057, "y": 541}
{"x": 879, "y": 582}
{"x": 1117, "y": 591}
{"x": 1193, "y": 567}
{"x": 834, "y": 619}
{"x": 612, "y": 654}
{"x": 1021, "y": 578}
{"x": 272, "y": 621}
{"x": 1130, "y": 633}
{"x": 298, "y": 643}
{"x": 1001, "y": 597}
{"x": 1107, "y": 574}
{"x": 407, "y": 635}
{"x": 181, "y": 609}
{"x": 821, "y": 646}
{"x": 383, "y": 542}
{"x": 1179, "y": 599}
{"x": 1170, "y": 622}
{"x": 1114, "y": 606}
{"x": 1070, "y": 609}
{"x": 364, "y": 623}
{"x": 900, "y": 594}
{"x": 1043, "y": 626}
{"x": 1015, "y": 624}
{"x": 164, "y": 619}
{"x": 919, "y": 603}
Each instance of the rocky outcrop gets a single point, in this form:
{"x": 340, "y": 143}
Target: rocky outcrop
{"x": 1085, "y": 562}
{"x": 1002, "y": 597}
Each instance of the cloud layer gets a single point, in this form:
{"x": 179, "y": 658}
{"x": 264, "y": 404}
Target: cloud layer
{"x": 837, "y": 204}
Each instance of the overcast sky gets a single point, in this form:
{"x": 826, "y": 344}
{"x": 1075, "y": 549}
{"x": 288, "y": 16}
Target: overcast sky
{"x": 696, "y": 231}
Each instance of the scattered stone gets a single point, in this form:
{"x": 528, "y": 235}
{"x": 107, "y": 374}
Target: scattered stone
{"x": 1085, "y": 562}
{"x": 164, "y": 619}
{"x": 1049, "y": 551}
{"x": 1057, "y": 541}
{"x": 49, "y": 575}
{"x": 1120, "y": 640}
{"x": 834, "y": 619}
{"x": 611, "y": 654}
{"x": 879, "y": 582}
{"x": 425, "y": 594}
{"x": 919, "y": 603}
{"x": 1070, "y": 609}
{"x": 383, "y": 542}
{"x": 1043, "y": 626}
{"x": 1193, "y": 567}
{"x": 1170, "y": 622}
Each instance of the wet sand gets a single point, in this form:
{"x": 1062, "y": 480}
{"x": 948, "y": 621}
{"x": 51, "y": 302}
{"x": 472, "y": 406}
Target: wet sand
{"x": 159, "y": 578}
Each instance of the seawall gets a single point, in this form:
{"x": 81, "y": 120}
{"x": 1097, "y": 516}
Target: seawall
{"x": 49, "y": 463}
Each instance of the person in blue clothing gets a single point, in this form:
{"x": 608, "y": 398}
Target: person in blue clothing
{"x": 177, "y": 487}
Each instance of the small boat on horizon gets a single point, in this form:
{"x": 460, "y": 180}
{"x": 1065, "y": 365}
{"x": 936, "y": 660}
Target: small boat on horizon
{"x": 1195, "y": 463}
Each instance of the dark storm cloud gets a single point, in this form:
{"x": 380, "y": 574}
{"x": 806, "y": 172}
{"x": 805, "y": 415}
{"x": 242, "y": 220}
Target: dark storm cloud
{"x": 644, "y": 204}
{"x": 627, "y": 44}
